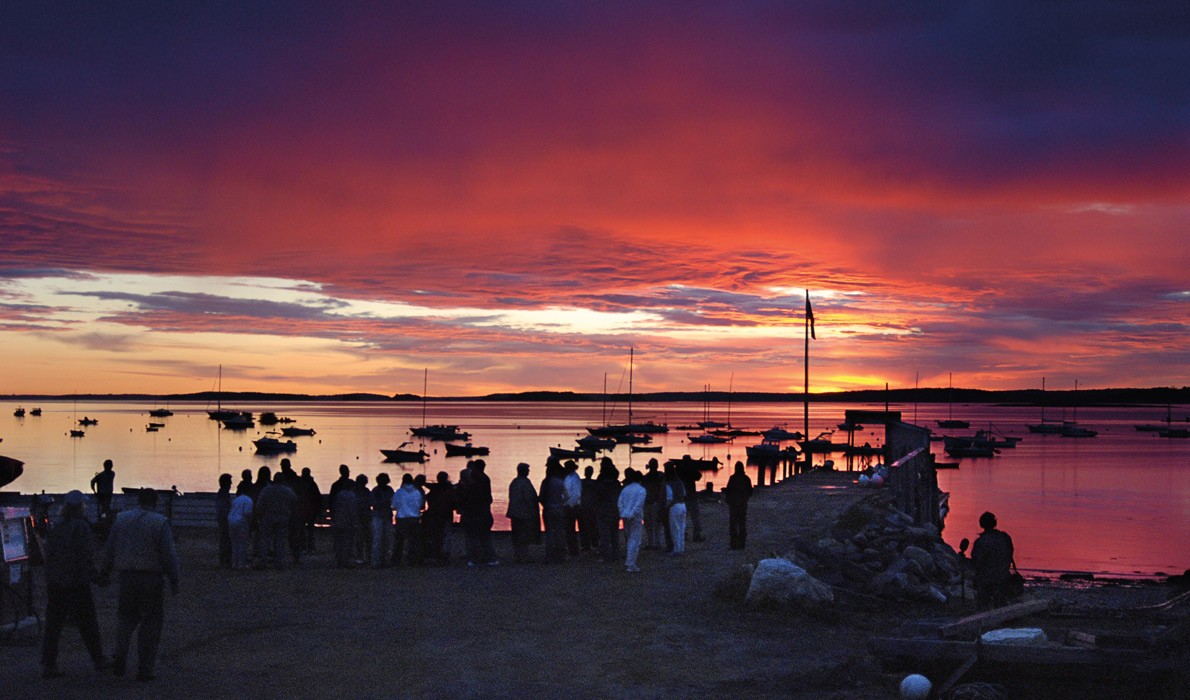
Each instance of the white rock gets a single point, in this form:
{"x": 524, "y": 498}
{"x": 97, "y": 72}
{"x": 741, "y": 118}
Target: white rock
{"x": 782, "y": 582}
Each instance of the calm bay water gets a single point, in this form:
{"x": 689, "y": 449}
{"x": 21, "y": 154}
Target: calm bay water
{"x": 1117, "y": 503}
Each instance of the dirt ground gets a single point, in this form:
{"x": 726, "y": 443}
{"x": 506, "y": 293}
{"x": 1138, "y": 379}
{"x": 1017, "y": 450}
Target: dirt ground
{"x": 579, "y": 629}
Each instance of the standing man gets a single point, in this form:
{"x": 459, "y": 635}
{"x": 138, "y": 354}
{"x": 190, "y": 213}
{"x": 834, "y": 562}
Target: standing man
{"x": 632, "y": 510}
{"x": 222, "y": 509}
{"x": 523, "y": 514}
{"x": 274, "y": 512}
{"x": 690, "y": 474}
{"x": 407, "y": 502}
{"x": 574, "y": 497}
{"x": 103, "y": 485}
{"x": 382, "y": 519}
{"x": 736, "y": 493}
{"x": 141, "y": 549}
{"x": 69, "y": 573}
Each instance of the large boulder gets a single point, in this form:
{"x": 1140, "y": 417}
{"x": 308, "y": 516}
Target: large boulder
{"x": 781, "y": 582}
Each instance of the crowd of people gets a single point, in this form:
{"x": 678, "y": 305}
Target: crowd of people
{"x": 270, "y": 519}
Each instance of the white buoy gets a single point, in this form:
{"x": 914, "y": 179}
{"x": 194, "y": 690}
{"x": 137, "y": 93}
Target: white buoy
{"x": 915, "y": 687}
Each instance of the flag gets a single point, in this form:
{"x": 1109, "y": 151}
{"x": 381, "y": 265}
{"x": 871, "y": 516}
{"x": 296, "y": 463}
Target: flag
{"x": 810, "y": 315}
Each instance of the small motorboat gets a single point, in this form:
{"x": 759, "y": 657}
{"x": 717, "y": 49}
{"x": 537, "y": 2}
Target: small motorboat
{"x": 290, "y": 431}
{"x": 467, "y": 450}
{"x": 35, "y": 412}
{"x": 563, "y": 453}
{"x": 1072, "y": 430}
{"x": 707, "y": 439}
{"x": 591, "y": 442}
{"x": 240, "y": 421}
{"x": 688, "y": 461}
{"x": 78, "y": 433}
{"x": 88, "y": 421}
{"x": 268, "y": 418}
{"x": 399, "y": 455}
{"x": 443, "y": 433}
{"x": 161, "y": 413}
{"x": 779, "y": 433}
{"x": 272, "y": 446}
{"x": 644, "y": 448}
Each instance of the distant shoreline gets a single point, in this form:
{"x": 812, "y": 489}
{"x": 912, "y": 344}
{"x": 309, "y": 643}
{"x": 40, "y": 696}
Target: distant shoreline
{"x": 1157, "y": 396}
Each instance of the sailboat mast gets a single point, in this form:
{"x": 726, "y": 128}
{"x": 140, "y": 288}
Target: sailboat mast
{"x": 631, "y": 355}
{"x": 730, "y": 385}
{"x": 425, "y": 382}
{"x": 1043, "y": 400}
{"x": 604, "y": 399}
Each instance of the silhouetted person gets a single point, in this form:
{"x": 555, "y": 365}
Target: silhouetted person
{"x": 274, "y": 513}
{"x": 245, "y": 485}
{"x": 588, "y": 526}
{"x": 654, "y": 483}
{"x": 69, "y": 573}
{"x": 311, "y": 497}
{"x": 523, "y": 514}
{"x": 103, "y": 484}
{"x": 363, "y": 519}
{"x": 675, "y": 503}
{"x": 690, "y": 474}
{"x": 141, "y": 549}
{"x": 736, "y": 493}
{"x": 437, "y": 517}
{"x": 222, "y": 508}
{"x": 553, "y": 511}
{"x": 607, "y": 514}
{"x": 407, "y": 504}
{"x": 382, "y": 519}
{"x": 574, "y": 498}
{"x": 344, "y": 516}
{"x": 239, "y": 525}
{"x": 477, "y": 515}
{"x": 991, "y": 557}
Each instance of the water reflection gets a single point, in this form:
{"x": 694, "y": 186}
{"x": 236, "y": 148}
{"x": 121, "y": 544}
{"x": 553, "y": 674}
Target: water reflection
{"x": 1108, "y": 503}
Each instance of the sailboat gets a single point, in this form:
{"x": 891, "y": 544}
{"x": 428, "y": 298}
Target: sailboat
{"x": 630, "y": 426}
{"x": 951, "y": 421}
{"x": 1046, "y": 426}
{"x": 219, "y": 414}
{"x": 1071, "y": 428}
{"x": 707, "y": 422}
{"x": 445, "y": 433}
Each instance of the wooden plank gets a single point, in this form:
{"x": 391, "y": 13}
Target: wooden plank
{"x": 990, "y": 619}
{"x": 927, "y": 650}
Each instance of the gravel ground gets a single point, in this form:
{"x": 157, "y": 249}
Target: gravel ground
{"x": 578, "y": 629}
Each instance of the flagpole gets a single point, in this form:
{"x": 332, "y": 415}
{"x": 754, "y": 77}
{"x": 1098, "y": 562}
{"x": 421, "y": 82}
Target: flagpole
{"x": 806, "y": 384}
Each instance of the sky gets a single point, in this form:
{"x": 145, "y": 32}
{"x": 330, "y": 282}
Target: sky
{"x": 334, "y": 197}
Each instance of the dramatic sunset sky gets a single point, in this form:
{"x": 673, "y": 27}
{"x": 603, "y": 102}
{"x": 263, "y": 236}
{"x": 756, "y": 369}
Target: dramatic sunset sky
{"x": 330, "y": 197}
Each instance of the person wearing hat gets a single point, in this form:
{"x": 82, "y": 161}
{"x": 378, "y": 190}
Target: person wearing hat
{"x": 141, "y": 548}
{"x": 69, "y": 573}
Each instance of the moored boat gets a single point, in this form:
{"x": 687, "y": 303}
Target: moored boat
{"x": 707, "y": 439}
{"x": 161, "y": 413}
{"x": 778, "y": 433}
{"x": 290, "y": 431}
{"x": 399, "y": 455}
{"x": 271, "y": 445}
{"x": 88, "y": 421}
{"x": 644, "y": 448}
{"x": 239, "y": 421}
{"x": 591, "y": 442}
{"x": 35, "y": 412}
{"x": 467, "y": 450}
{"x": 688, "y": 461}
{"x": 19, "y": 413}
{"x": 563, "y": 453}
{"x": 442, "y": 433}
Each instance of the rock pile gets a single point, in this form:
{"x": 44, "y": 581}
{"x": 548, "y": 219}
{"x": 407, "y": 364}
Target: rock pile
{"x": 879, "y": 549}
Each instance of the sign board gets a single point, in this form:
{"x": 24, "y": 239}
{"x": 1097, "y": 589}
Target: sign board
{"x": 13, "y": 533}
